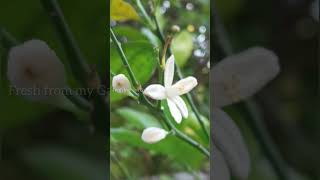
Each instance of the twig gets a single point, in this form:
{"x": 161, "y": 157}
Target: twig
{"x": 153, "y": 109}
{"x": 144, "y": 13}
{"x": 180, "y": 75}
{"x": 185, "y": 138}
{"x": 124, "y": 59}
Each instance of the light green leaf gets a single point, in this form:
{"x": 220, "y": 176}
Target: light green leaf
{"x": 130, "y": 34}
{"x": 182, "y": 46}
{"x": 142, "y": 58}
{"x": 138, "y": 119}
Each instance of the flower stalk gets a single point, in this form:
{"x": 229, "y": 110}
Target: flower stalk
{"x": 180, "y": 75}
{"x": 124, "y": 59}
{"x": 184, "y": 137}
{"x": 152, "y": 108}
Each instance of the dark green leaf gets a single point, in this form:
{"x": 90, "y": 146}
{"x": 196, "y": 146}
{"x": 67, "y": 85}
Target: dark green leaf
{"x": 171, "y": 146}
{"x": 142, "y": 58}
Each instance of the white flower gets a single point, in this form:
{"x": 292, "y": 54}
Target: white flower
{"x": 33, "y": 65}
{"x": 233, "y": 79}
{"x": 172, "y": 93}
{"x": 121, "y": 83}
{"x": 153, "y": 134}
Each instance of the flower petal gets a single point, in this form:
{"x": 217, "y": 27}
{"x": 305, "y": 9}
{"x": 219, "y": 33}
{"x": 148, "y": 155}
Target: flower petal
{"x": 153, "y": 134}
{"x": 228, "y": 139}
{"x": 219, "y": 167}
{"x": 169, "y": 72}
{"x": 155, "y": 91}
{"x": 181, "y": 105}
{"x": 175, "y": 112}
{"x": 240, "y": 76}
{"x": 185, "y": 85}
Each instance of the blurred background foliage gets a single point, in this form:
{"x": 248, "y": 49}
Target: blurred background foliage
{"x": 289, "y": 104}
{"x": 128, "y": 119}
{"x": 39, "y": 141}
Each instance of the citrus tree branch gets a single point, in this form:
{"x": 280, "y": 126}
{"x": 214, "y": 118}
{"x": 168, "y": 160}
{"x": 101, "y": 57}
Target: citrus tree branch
{"x": 152, "y": 108}
{"x": 180, "y": 75}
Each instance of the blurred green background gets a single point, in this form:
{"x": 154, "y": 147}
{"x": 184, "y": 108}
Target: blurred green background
{"x": 39, "y": 141}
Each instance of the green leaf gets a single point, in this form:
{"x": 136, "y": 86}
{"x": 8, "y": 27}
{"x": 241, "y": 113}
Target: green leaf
{"x": 57, "y": 163}
{"x": 171, "y": 146}
{"x": 142, "y": 58}
{"x": 131, "y": 34}
{"x": 138, "y": 119}
{"x": 182, "y": 46}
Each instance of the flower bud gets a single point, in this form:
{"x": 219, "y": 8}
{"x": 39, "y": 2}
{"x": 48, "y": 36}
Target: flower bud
{"x": 33, "y": 66}
{"x": 153, "y": 134}
{"x": 175, "y": 28}
{"x": 121, "y": 83}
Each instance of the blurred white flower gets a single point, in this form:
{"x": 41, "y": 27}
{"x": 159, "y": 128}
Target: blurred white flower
{"x": 177, "y": 106}
{"x": 233, "y": 79}
{"x": 121, "y": 83}
{"x": 33, "y": 65}
{"x": 153, "y": 134}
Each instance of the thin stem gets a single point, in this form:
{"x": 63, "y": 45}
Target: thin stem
{"x": 256, "y": 122}
{"x": 187, "y": 139}
{"x": 180, "y": 75}
{"x": 80, "y": 68}
{"x": 124, "y": 59}
{"x": 153, "y": 109}
{"x": 197, "y": 114}
{"x": 144, "y": 13}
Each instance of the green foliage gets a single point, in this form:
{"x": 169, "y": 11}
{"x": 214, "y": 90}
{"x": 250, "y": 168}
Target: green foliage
{"x": 32, "y": 22}
{"x": 182, "y": 46}
{"x": 138, "y": 119}
{"x": 142, "y": 58}
{"x": 181, "y": 151}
